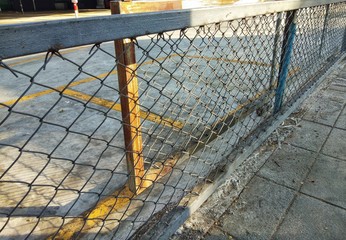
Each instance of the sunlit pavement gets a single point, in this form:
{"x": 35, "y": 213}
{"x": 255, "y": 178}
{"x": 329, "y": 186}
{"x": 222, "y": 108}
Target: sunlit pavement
{"x": 18, "y": 17}
{"x": 298, "y": 192}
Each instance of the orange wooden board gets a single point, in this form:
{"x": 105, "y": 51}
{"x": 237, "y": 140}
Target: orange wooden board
{"x": 141, "y": 7}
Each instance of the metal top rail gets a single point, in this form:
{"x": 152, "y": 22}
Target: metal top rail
{"x": 23, "y": 39}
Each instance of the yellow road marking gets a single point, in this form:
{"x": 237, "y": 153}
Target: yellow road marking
{"x": 43, "y": 56}
{"x": 60, "y": 88}
{"x": 99, "y": 101}
{"x": 28, "y": 97}
{"x": 73, "y": 84}
{"x": 230, "y": 60}
{"x": 293, "y": 71}
{"x": 254, "y": 98}
{"x": 122, "y": 198}
{"x": 117, "y": 107}
{"x": 150, "y": 116}
{"x": 115, "y": 202}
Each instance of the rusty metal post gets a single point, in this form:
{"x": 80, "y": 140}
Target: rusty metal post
{"x": 128, "y": 88}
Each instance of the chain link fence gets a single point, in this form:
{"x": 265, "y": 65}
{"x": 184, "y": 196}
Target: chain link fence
{"x": 319, "y": 39}
{"x": 97, "y": 141}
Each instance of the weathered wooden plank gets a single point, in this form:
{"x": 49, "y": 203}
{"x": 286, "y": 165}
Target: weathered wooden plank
{"x": 143, "y": 7}
{"x": 130, "y": 111}
{"x": 18, "y": 40}
{"x": 128, "y": 87}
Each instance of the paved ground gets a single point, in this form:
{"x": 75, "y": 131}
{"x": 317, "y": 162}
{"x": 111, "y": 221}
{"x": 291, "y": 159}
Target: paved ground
{"x": 41, "y": 100}
{"x": 95, "y": 166}
{"x": 17, "y": 17}
{"x": 296, "y": 193}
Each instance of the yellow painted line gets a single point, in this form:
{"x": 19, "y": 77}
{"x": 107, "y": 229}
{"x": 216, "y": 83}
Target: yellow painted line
{"x": 42, "y": 56}
{"x": 90, "y": 79}
{"x": 230, "y": 60}
{"x": 241, "y": 106}
{"x": 293, "y": 71}
{"x": 26, "y": 60}
{"x": 60, "y": 88}
{"x": 121, "y": 199}
{"x": 28, "y": 97}
{"x": 257, "y": 96}
{"x": 73, "y": 84}
{"x": 118, "y": 201}
{"x": 150, "y": 116}
{"x": 117, "y": 107}
{"x": 99, "y": 101}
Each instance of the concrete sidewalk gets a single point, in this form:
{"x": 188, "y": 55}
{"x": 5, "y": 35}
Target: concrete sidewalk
{"x": 298, "y": 190}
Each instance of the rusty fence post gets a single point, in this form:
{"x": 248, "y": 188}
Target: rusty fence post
{"x": 128, "y": 88}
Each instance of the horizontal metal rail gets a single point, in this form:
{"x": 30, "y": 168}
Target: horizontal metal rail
{"x": 19, "y": 40}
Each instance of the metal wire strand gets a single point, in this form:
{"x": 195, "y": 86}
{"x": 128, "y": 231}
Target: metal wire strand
{"x": 162, "y": 111}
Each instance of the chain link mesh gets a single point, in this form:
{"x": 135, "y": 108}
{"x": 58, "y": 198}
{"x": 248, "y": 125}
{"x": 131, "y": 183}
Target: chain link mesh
{"x": 318, "y": 41}
{"x": 201, "y": 91}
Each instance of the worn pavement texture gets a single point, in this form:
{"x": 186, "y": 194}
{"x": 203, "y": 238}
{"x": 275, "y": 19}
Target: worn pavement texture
{"x": 44, "y": 16}
{"x": 297, "y": 189}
